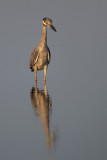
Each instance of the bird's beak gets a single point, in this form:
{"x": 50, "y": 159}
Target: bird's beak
{"x": 52, "y": 27}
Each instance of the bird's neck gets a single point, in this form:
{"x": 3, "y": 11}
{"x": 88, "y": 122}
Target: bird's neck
{"x": 43, "y": 41}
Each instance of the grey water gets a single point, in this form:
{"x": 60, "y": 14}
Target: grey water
{"x": 66, "y": 117}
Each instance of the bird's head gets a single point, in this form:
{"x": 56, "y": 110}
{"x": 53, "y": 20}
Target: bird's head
{"x": 48, "y": 22}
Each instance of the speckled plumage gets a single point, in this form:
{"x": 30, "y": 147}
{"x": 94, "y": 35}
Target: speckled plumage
{"x": 40, "y": 56}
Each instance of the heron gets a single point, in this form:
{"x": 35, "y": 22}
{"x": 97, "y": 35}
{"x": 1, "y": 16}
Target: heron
{"x": 40, "y": 56}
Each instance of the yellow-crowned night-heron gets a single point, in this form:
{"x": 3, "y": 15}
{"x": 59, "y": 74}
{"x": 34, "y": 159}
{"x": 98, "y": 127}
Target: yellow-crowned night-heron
{"x": 40, "y": 56}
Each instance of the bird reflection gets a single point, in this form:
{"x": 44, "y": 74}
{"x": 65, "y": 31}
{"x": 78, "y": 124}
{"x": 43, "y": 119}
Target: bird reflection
{"x": 41, "y": 102}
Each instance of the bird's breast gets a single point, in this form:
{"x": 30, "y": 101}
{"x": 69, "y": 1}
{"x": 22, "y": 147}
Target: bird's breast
{"x": 42, "y": 60}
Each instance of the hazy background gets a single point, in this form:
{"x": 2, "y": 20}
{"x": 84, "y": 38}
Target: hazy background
{"x": 76, "y": 79}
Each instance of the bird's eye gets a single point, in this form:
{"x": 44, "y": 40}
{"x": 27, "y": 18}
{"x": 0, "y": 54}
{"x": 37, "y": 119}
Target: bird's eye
{"x": 44, "y": 19}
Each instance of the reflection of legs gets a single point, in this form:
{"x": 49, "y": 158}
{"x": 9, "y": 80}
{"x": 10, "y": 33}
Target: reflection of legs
{"x": 45, "y": 70}
{"x": 35, "y": 73}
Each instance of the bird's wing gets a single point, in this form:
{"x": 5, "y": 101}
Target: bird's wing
{"x": 49, "y": 55}
{"x": 33, "y": 59}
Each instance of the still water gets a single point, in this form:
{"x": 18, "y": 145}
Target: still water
{"x": 43, "y": 122}
{"x": 64, "y": 118}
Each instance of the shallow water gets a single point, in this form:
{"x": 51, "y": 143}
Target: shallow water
{"x": 66, "y": 117}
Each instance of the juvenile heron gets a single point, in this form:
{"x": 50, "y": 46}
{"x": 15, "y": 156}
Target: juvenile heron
{"x": 40, "y": 56}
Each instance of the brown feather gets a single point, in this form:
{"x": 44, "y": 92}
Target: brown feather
{"x": 33, "y": 59}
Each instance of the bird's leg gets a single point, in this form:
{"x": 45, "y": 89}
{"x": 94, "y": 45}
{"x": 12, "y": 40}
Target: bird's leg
{"x": 45, "y": 70}
{"x": 35, "y": 85}
{"x": 45, "y": 88}
{"x": 35, "y": 69}
{"x": 36, "y": 75}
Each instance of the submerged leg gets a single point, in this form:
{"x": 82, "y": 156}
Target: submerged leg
{"x": 45, "y": 70}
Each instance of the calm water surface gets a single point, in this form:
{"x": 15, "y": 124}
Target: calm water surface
{"x": 65, "y": 118}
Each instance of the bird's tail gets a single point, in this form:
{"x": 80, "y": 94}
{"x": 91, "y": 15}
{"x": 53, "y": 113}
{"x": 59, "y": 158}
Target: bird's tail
{"x": 32, "y": 69}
